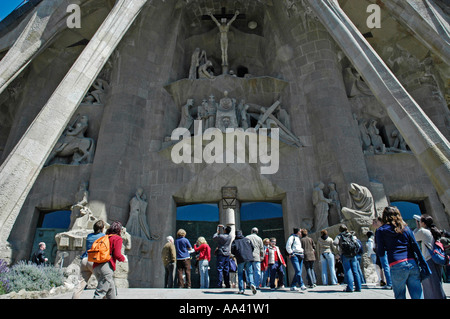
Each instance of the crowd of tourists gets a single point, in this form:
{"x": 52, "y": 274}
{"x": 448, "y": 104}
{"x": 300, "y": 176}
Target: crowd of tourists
{"x": 400, "y": 263}
{"x": 250, "y": 262}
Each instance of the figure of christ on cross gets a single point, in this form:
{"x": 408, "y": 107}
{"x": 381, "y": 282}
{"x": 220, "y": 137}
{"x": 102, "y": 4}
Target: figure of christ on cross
{"x": 224, "y": 27}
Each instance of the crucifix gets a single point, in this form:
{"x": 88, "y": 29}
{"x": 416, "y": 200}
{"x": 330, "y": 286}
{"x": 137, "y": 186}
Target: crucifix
{"x": 224, "y": 26}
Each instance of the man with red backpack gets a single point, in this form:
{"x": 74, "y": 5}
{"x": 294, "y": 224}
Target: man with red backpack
{"x": 104, "y": 271}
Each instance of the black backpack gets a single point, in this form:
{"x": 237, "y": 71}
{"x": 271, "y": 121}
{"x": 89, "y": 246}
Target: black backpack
{"x": 349, "y": 246}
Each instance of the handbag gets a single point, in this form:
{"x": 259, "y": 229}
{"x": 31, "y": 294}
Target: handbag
{"x": 233, "y": 267}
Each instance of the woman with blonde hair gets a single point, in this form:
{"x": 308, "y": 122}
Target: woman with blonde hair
{"x": 204, "y": 257}
{"x": 395, "y": 238}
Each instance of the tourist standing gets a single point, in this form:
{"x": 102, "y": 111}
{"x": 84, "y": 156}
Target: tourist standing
{"x": 274, "y": 261}
{"x": 223, "y": 239}
{"x": 265, "y": 273}
{"x": 296, "y": 255}
{"x": 395, "y": 239}
{"x": 382, "y": 260}
{"x": 242, "y": 249}
{"x": 309, "y": 248}
{"x": 370, "y": 245}
{"x": 183, "y": 249}
{"x": 169, "y": 258}
{"x": 204, "y": 257}
{"x": 427, "y": 233}
{"x": 87, "y": 267}
{"x": 104, "y": 272}
{"x": 258, "y": 255}
{"x": 359, "y": 259}
{"x": 326, "y": 248}
{"x": 348, "y": 258}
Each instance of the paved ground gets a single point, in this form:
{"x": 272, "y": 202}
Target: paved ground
{"x": 319, "y": 292}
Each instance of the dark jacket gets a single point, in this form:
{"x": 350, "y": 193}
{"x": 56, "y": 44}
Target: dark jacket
{"x": 223, "y": 244}
{"x": 242, "y": 248}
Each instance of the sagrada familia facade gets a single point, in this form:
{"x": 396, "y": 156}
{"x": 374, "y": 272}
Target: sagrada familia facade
{"x": 350, "y": 95}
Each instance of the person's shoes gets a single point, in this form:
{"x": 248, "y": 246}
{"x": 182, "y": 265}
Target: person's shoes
{"x": 303, "y": 287}
{"x": 241, "y": 292}
{"x": 348, "y": 290}
{"x": 294, "y": 289}
{"x": 253, "y": 289}
{"x": 387, "y": 287}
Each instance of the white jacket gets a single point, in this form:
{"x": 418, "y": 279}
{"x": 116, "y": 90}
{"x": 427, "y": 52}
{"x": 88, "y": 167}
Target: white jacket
{"x": 294, "y": 245}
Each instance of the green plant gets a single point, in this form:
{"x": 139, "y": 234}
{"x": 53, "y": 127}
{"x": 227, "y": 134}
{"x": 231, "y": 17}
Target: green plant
{"x": 29, "y": 276}
{"x": 4, "y": 282}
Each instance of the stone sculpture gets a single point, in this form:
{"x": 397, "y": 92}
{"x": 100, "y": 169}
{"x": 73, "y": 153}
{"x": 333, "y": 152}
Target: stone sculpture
{"x": 321, "y": 207}
{"x": 399, "y": 144}
{"x": 73, "y": 143}
{"x": 204, "y": 71}
{"x": 226, "y": 113}
{"x": 375, "y": 138}
{"x": 137, "y": 222}
{"x": 80, "y": 209}
{"x": 362, "y": 207}
{"x": 335, "y": 205}
{"x": 224, "y": 27}
{"x": 186, "y": 120}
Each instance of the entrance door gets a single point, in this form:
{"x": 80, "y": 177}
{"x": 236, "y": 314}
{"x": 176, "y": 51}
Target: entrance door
{"x": 50, "y": 224}
{"x": 200, "y": 220}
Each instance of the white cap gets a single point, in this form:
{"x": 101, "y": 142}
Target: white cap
{"x": 417, "y": 217}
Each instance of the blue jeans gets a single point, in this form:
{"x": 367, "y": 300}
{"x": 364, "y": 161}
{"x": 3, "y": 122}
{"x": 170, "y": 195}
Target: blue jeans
{"x": 248, "y": 272}
{"x": 265, "y": 277}
{"x": 223, "y": 270}
{"x": 203, "y": 266}
{"x": 406, "y": 274}
{"x": 327, "y": 262}
{"x": 310, "y": 274}
{"x": 351, "y": 273}
{"x": 276, "y": 269}
{"x": 387, "y": 271}
{"x": 359, "y": 259}
{"x": 256, "y": 272}
{"x": 297, "y": 263}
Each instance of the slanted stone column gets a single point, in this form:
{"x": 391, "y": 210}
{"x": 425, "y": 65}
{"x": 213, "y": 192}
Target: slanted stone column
{"x": 427, "y": 143}
{"x": 21, "y": 168}
{"x": 48, "y": 19}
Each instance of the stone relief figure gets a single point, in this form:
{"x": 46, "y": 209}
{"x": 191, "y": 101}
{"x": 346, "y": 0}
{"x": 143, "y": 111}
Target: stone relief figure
{"x": 364, "y": 135}
{"x": 198, "y": 58}
{"x": 375, "y": 138}
{"x": 335, "y": 205}
{"x": 355, "y": 84}
{"x": 186, "y": 120}
{"x": 362, "y": 205}
{"x": 204, "y": 71}
{"x": 224, "y": 27}
{"x": 226, "y": 113}
{"x": 321, "y": 207}
{"x": 399, "y": 144}
{"x": 211, "y": 112}
{"x": 73, "y": 143}
{"x": 96, "y": 94}
{"x": 137, "y": 222}
{"x": 79, "y": 209}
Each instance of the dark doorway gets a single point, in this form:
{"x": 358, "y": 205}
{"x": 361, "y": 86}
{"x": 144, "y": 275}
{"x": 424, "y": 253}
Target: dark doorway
{"x": 49, "y": 224}
{"x": 200, "y": 220}
{"x": 241, "y": 71}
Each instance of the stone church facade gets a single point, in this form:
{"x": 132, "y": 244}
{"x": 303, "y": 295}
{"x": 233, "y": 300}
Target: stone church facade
{"x": 87, "y": 117}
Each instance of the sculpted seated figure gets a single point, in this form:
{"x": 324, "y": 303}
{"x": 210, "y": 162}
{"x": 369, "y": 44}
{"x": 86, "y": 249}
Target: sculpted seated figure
{"x": 73, "y": 143}
{"x": 363, "y": 209}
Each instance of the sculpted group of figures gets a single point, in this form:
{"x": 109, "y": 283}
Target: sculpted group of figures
{"x": 361, "y": 211}
{"x": 228, "y": 113}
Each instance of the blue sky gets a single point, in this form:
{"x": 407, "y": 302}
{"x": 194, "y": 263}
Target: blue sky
{"x": 7, "y": 6}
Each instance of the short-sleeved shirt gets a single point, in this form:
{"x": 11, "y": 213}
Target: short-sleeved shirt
{"x": 182, "y": 247}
